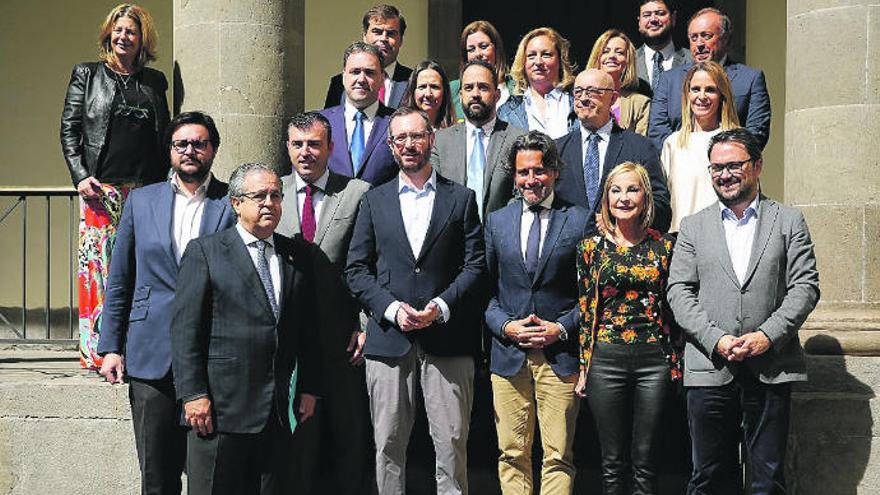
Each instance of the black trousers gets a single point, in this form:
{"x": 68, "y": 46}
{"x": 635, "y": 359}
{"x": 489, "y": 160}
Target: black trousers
{"x": 715, "y": 417}
{"x": 158, "y": 436}
{"x": 627, "y": 390}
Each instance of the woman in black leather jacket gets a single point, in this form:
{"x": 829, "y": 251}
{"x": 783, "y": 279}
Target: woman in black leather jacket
{"x": 112, "y": 133}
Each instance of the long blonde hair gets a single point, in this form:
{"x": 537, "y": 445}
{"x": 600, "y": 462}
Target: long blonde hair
{"x": 566, "y": 66}
{"x": 647, "y": 214}
{"x": 629, "y": 78}
{"x": 149, "y": 36}
{"x": 728, "y": 118}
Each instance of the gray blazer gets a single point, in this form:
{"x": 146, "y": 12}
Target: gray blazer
{"x": 781, "y": 288}
{"x": 449, "y": 159}
{"x": 681, "y": 56}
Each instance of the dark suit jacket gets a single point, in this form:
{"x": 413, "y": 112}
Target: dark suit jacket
{"x": 225, "y": 340}
{"x": 378, "y": 163}
{"x": 136, "y": 320}
{"x": 449, "y": 157}
{"x": 749, "y": 91}
{"x": 336, "y": 91}
{"x": 680, "y": 56}
{"x": 622, "y": 146}
{"x": 551, "y": 294}
{"x": 381, "y": 269}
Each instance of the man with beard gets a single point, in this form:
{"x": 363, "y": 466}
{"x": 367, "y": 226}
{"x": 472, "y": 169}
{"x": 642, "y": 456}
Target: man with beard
{"x": 384, "y": 27}
{"x": 658, "y": 53}
{"x": 741, "y": 284}
{"x": 531, "y": 246}
{"x": 709, "y": 33}
{"x": 416, "y": 263}
{"x": 157, "y": 223}
{"x": 598, "y": 145}
{"x": 472, "y": 153}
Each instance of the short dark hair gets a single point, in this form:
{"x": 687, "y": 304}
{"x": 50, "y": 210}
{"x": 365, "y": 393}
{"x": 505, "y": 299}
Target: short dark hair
{"x": 194, "y": 117}
{"x": 726, "y": 25}
{"x": 739, "y": 135}
{"x": 361, "y": 47}
{"x": 307, "y": 120}
{"x": 404, "y": 111}
{"x": 535, "y": 141}
{"x": 384, "y": 11}
{"x": 670, "y": 4}
{"x": 481, "y": 63}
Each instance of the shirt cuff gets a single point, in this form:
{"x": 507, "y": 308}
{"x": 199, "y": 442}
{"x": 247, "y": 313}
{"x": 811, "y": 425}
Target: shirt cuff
{"x": 444, "y": 308}
{"x": 193, "y": 397}
{"x": 391, "y": 312}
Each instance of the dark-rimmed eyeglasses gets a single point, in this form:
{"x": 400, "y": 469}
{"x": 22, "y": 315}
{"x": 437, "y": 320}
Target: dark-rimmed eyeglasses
{"x": 417, "y": 137}
{"x": 180, "y": 145}
{"x": 733, "y": 167}
{"x": 589, "y": 91}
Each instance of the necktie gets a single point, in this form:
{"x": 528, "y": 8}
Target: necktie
{"x": 308, "y": 224}
{"x": 475, "y": 167}
{"x": 591, "y": 169}
{"x": 655, "y": 72}
{"x": 265, "y": 276}
{"x": 357, "y": 143}
{"x": 533, "y": 243}
{"x": 382, "y": 90}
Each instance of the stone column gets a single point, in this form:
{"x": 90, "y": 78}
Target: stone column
{"x": 832, "y": 173}
{"x": 242, "y": 62}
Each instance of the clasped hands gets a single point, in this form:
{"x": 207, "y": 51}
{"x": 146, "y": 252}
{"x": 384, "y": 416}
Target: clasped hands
{"x": 532, "y": 332}
{"x": 739, "y": 348}
{"x": 409, "y": 319}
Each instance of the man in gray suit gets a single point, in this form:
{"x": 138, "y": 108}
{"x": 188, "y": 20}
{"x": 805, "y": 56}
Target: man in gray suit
{"x": 472, "y": 152}
{"x": 322, "y": 206}
{"x": 658, "y": 53}
{"x": 742, "y": 281}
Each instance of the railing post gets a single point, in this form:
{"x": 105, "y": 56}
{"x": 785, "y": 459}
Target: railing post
{"x": 48, "y": 266}
{"x": 23, "y": 199}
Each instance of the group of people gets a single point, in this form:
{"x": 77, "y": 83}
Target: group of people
{"x": 605, "y": 228}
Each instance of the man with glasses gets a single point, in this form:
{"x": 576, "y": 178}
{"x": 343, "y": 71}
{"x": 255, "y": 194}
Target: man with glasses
{"x": 658, "y": 53}
{"x": 598, "y": 145}
{"x": 157, "y": 223}
{"x": 416, "y": 264}
{"x": 709, "y": 33}
{"x": 244, "y": 324}
{"x": 484, "y": 139}
{"x": 741, "y": 284}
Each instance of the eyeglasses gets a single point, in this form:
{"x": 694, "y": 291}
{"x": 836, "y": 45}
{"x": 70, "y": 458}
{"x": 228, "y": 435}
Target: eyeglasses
{"x": 734, "y": 168}
{"x": 417, "y": 137}
{"x": 262, "y": 197}
{"x": 180, "y": 145}
{"x": 589, "y": 91}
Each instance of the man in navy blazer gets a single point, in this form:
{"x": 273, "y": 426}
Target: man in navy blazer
{"x": 360, "y": 124}
{"x": 595, "y": 94}
{"x": 157, "y": 223}
{"x": 531, "y": 246}
{"x": 709, "y": 32}
{"x": 415, "y": 263}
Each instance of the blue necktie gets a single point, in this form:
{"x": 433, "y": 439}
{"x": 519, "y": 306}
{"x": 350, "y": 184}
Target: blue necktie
{"x": 265, "y": 276}
{"x": 357, "y": 143}
{"x": 655, "y": 73}
{"x": 533, "y": 243}
{"x": 475, "y": 167}
{"x": 591, "y": 169}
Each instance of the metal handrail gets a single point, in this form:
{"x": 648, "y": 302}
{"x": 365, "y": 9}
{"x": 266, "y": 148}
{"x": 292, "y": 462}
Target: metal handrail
{"x": 23, "y": 194}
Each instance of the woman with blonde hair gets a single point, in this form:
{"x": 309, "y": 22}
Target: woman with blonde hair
{"x": 112, "y": 136}
{"x": 481, "y": 41}
{"x": 629, "y": 354}
{"x": 614, "y": 54}
{"x": 707, "y": 108}
{"x": 543, "y": 74}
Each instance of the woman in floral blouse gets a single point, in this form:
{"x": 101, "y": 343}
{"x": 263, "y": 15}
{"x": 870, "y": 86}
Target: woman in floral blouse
{"x": 628, "y": 352}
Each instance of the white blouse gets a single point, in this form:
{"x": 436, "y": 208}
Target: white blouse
{"x": 687, "y": 174}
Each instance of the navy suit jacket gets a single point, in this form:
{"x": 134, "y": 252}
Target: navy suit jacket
{"x": 136, "y": 320}
{"x": 749, "y": 91}
{"x": 551, "y": 294}
{"x": 623, "y": 146}
{"x": 381, "y": 269}
{"x": 378, "y": 164}
{"x": 336, "y": 90}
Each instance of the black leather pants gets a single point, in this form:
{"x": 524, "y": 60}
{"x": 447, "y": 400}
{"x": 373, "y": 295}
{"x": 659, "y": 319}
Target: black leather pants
{"x": 627, "y": 390}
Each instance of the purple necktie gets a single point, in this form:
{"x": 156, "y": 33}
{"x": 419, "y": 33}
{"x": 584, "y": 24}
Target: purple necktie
{"x": 307, "y": 224}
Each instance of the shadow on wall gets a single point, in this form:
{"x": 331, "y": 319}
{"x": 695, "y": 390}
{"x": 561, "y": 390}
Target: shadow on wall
{"x": 831, "y": 423}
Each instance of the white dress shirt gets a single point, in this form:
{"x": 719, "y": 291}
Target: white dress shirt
{"x": 528, "y": 218}
{"x": 350, "y": 112}
{"x": 667, "y": 51}
{"x": 188, "y": 210}
{"x": 740, "y": 234}
{"x": 271, "y": 257}
{"x": 557, "y": 107}
{"x": 317, "y": 195}
{"x": 416, "y": 207}
{"x": 388, "y": 80}
{"x": 604, "y": 133}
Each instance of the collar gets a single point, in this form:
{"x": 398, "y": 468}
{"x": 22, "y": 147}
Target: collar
{"x": 321, "y": 183}
{"x": 201, "y": 191}
{"x": 604, "y": 132}
{"x": 404, "y": 186}
{"x": 752, "y": 209}
{"x": 667, "y": 51}
{"x": 370, "y": 111}
{"x": 488, "y": 127}
{"x": 546, "y": 204}
{"x": 248, "y": 238}
{"x": 557, "y": 94}
{"x": 390, "y": 70}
